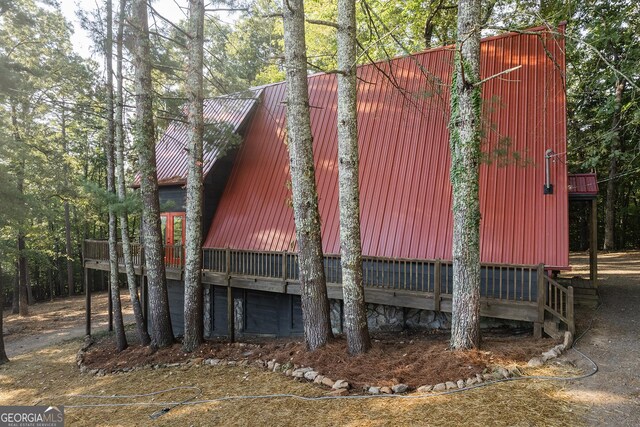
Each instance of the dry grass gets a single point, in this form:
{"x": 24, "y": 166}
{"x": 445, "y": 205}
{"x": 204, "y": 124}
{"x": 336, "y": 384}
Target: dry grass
{"x": 49, "y": 375}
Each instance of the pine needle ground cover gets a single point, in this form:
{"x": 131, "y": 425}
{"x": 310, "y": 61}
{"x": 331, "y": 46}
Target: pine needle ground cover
{"x": 50, "y": 376}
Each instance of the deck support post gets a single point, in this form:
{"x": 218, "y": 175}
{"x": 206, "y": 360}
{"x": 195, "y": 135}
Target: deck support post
{"x": 437, "y": 285}
{"x": 593, "y": 244}
{"x": 231, "y": 329}
{"x": 541, "y": 295}
{"x": 87, "y": 301}
{"x": 570, "y": 312}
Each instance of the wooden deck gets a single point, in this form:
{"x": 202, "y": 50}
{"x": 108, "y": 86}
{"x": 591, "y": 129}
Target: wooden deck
{"x": 514, "y": 292}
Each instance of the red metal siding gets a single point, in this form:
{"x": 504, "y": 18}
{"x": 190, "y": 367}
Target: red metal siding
{"x": 171, "y": 157}
{"x": 404, "y": 154}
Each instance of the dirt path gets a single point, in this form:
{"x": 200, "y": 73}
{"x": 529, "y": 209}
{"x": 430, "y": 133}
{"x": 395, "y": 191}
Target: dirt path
{"x": 53, "y": 322}
{"x": 613, "y": 394}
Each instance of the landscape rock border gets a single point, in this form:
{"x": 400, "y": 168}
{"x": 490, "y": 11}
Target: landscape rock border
{"x": 552, "y": 353}
{"x": 340, "y": 387}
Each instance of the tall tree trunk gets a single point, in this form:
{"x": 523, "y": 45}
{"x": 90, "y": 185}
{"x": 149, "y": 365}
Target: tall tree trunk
{"x": 67, "y": 217}
{"x": 22, "y": 276}
{"x": 118, "y": 322}
{"x": 610, "y": 202}
{"x": 141, "y": 325}
{"x": 20, "y": 302}
{"x": 355, "y": 311}
{"x": 3, "y": 354}
{"x": 465, "y": 178}
{"x": 193, "y": 325}
{"x": 144, "y": 135}
{"x": 30, "y": 299}
{"x": 15, "y": 301}
{"x": 315, "y": 303}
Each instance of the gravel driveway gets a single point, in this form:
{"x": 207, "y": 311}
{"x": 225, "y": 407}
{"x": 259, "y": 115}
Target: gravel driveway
{"x": 613, "y": 394}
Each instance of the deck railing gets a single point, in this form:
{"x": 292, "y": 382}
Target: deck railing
{"x": 99, "y": 250}
{"x": 558, "y": 302}
{"x": 499, "y": 282}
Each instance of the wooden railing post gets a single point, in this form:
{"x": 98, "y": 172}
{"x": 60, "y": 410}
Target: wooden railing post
{"x": 537, "y": 326}
{"x": 571, "y": 323}
{"x": 284, "y": 266}
{"x": 437, "y": 284}
{"x": 87, "y": 294}
{"x": 231, "y": 330}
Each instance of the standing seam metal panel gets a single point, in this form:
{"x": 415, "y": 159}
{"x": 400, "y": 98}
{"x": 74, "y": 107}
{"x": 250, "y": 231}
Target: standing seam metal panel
{"x": 404, "y": 171}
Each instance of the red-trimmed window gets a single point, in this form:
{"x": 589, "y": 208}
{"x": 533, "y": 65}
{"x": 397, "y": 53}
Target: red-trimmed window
{"x": 173, "y": 237}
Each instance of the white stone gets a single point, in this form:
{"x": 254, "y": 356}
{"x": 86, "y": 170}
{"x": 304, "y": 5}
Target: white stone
{"x": 276, "y": 367}
{"x": 318, "y": 379}
{"x": 374, "y": 390}
{"x": 502, "y": 372}
{"x": 548, "y": 355}
{"x": 400, "y": 388}
{"x": 460, "y": 384}
{"x": 386, "y": 390}
{"x": 299, "y": 373}
{"x": 425, "y": 388}
{"x": 440, "y": 387}
{"x": 535, "y": 362}
{"x": 568, "y": 340}
{"x": 212, "y": 362}
{"x": 328, "y": 382}
{"x": 310, "y": 375}
{"x": 340, "y": 384}
{"x": 451, "y": 385}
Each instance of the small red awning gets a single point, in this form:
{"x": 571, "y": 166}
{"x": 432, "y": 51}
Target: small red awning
{"x": 583, "y": 186}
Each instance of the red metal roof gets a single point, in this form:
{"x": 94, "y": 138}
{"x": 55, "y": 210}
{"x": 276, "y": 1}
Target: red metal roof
{"x": 403, "y": 112}
{"x": 230, "y": 112}
{"x": 583, "y": 184}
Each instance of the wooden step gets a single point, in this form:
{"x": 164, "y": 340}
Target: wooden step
{"x": 585, "y": 291}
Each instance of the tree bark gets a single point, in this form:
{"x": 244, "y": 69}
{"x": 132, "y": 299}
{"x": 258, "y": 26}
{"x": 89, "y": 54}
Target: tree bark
{"x": 144, "y": 137}
{"x": 67, "y": 218}
{"x": 465, "y": 160}
{"x": 3, "y": 354}
{"x": 20, "y": 298}
{"x": 22, "y": 276}
{"x": 355, "y": 312}
{"x": 193, "y": 316}
{"x": 141, "y": 325}
{"x": 15, "y": 301}
{"x": 121, "y": 338}
{"x": 610, "y": 202}
{"x": 315, "y": 303}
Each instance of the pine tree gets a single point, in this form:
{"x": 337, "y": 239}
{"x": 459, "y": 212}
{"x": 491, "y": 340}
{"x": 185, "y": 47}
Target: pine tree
{"x": 465, "y": 178}
{"x": 144, "y": 140}
{"x": 193, "y": 326}
{"x": 114, "y": 283}
{"x": 141, "y": 325}
{"x": 315, "y": 303}
{"x": 355, "y": 313}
